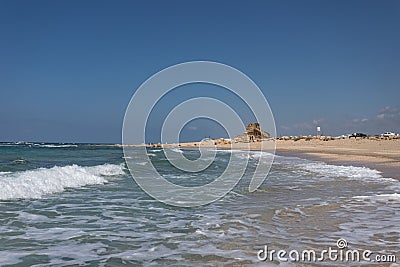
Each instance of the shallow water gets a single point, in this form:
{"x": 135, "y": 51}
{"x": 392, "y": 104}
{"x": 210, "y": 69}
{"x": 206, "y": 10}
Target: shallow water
{"x": 77, "y": 204}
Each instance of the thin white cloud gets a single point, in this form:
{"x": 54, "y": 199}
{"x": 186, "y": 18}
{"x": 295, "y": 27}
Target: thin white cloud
{"x": 381, "y": 116}
{"x": 383, "y": 110}
{"x": 388, "y": 112}
{"x": 385, "y": 119}
{"x": 360, "y": 120}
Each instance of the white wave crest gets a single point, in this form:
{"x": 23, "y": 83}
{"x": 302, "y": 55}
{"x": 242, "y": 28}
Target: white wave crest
{"x": 341, "y": 171}
{"x": 380, "y": 197}
{"x": 54, "y": 146}
{"x": 43, "y": 181}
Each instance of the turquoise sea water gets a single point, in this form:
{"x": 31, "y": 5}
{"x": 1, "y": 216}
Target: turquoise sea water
{"x": 67, "y": 204}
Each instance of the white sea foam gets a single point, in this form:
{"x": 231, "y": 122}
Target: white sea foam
{"x": 43, "y": 181}
{"x": 177, "y": 150}
{"x": 54, "y": 146}
{"x": 341, "y": 171}
{"x": 19, "y": 161}
{"x": 44, "y": 145}
{"x": 380, "y": 197}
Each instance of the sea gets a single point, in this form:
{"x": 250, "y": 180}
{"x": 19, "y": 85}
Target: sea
{"x": 77, "y": 205}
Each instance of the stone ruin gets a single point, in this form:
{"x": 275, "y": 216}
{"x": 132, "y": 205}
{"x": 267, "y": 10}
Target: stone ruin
{"x": 253, "y": 134}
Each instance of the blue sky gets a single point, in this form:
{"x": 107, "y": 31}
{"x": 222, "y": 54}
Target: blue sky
{"x": 69, "y": 68}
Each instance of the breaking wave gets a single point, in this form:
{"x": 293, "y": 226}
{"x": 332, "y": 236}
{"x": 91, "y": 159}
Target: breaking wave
{"x": 44, "y": 181}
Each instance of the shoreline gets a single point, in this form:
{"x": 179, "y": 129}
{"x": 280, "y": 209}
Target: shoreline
{"x": 382, "y": 155}
{"x": 386, "y": 171}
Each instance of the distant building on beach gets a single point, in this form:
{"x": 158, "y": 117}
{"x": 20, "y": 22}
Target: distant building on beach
{"x": 253, "y": 134}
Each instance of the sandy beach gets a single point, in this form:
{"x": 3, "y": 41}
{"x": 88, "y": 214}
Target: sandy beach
{"x": 385, "y": 152}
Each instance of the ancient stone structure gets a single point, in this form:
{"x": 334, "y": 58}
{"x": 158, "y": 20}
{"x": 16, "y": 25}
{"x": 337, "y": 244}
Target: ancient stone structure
{"x": 253, "y": 134}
